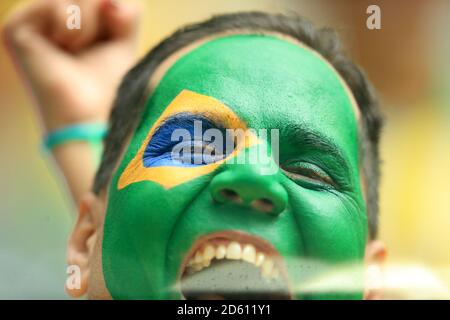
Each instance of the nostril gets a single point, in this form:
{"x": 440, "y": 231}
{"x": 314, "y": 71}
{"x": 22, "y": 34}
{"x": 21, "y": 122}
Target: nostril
{"x": 263, "y": 205}
{"x": 231, "y": 195}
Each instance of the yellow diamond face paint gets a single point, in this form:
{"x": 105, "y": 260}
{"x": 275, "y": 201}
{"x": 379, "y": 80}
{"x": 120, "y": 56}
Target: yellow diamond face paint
{"x": 187, "y": 102}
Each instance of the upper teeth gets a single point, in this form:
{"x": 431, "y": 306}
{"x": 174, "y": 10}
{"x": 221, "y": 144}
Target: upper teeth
{"x": 233, "y": 250}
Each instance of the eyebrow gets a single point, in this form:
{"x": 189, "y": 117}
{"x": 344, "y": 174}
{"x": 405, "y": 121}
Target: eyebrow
{"x": 313, "y": 140}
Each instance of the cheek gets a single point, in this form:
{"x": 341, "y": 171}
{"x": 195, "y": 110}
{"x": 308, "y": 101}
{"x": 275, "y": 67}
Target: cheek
{"x": 331, "y": 227}
{"x": 333, "y": 239}
{"x": 139, "y": 222}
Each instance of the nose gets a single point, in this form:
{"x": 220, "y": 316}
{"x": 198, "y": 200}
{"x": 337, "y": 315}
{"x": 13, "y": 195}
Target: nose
{"x": 245, "y": 186}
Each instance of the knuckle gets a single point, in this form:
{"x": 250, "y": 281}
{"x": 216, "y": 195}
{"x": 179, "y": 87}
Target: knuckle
{"x": 16, "y": 28}
{"x": 19, "y": 36}
{"x": 9, "y": 28}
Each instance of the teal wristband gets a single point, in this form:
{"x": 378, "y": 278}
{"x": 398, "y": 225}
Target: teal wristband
{"x": 89, "y": 132}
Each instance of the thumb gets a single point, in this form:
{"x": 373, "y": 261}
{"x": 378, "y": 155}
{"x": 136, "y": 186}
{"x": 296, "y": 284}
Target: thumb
{"x": 120, "y": 19}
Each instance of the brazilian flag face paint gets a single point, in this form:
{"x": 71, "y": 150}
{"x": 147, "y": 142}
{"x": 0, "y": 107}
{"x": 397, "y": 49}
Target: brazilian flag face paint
{"x": 153, "y": 161}
{"x": 161, "y": 210}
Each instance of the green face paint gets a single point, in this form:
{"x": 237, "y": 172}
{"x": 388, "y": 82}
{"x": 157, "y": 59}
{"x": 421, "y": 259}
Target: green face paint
{"x": 268, "y": 83}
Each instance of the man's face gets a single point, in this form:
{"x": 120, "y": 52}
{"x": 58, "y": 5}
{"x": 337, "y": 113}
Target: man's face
{"x": 228, "y": 229}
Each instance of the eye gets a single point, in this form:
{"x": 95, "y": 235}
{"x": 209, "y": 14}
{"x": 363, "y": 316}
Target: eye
{"x": 304, "y": 172}
{"x": 197, "y": 152}
{"x": 188, "y": 140}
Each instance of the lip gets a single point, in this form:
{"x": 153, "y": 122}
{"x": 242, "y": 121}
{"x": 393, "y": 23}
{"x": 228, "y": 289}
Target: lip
{"x": 241, "y": 237}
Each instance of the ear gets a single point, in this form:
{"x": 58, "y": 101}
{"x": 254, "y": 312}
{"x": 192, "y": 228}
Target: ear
{"x": 81, "y": 244}
{"x": 374, "y": 261}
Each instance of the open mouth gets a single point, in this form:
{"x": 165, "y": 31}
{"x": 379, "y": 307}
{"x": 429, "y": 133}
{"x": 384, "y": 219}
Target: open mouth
{"x": 233, "y": 265}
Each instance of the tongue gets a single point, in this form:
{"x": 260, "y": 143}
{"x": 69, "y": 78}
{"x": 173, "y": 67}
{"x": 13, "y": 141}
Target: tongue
{"x": 231, "y": 279}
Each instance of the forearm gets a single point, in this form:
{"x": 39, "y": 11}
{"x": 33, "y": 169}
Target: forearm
{"x": 78, "y": 163}
{"x": 73, "y": 75}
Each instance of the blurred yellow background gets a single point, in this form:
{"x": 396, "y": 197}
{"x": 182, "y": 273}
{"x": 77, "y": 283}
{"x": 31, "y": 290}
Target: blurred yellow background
{"x": 407, "y": 60}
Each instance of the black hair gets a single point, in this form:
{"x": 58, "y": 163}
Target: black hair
{"x": 129, "y": 104}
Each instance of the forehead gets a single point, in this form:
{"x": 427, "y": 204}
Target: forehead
{"x": 267, "y": 81}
